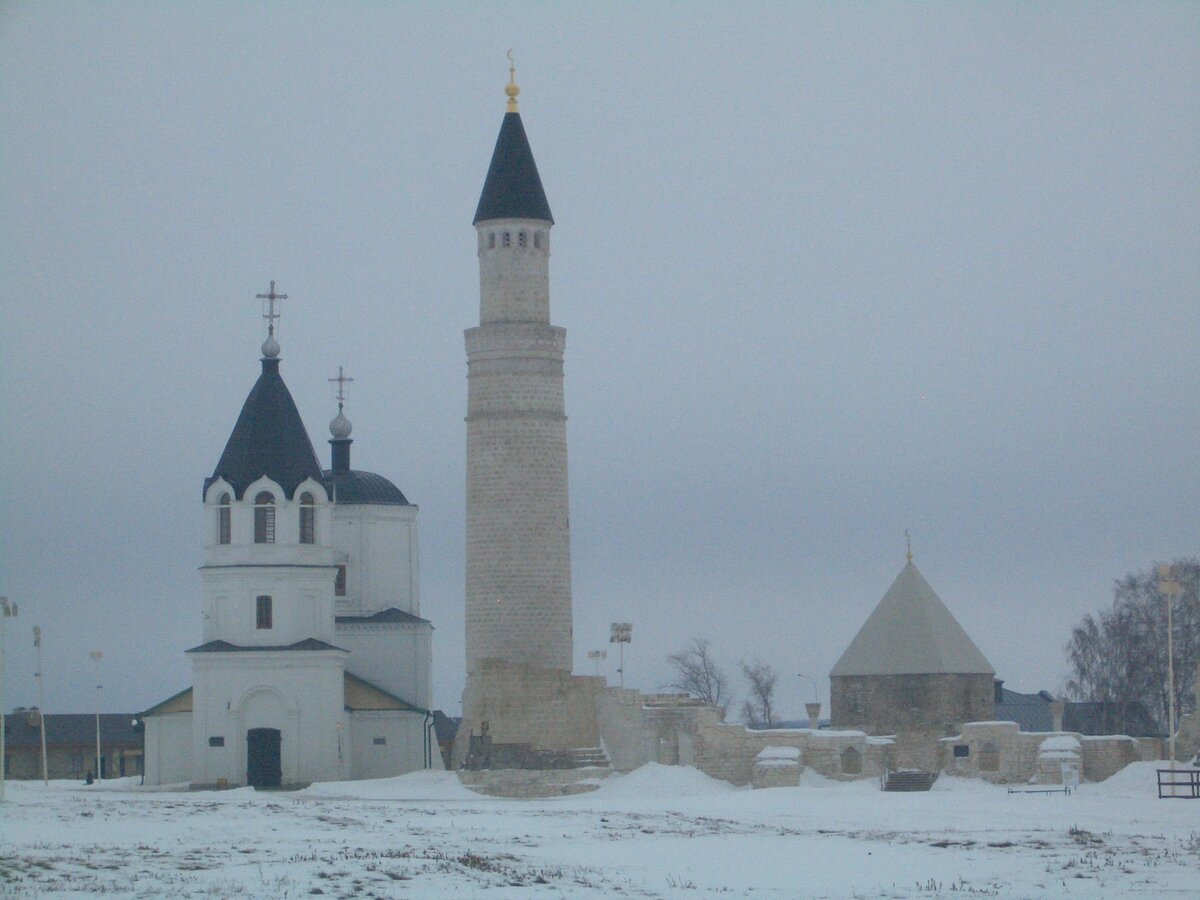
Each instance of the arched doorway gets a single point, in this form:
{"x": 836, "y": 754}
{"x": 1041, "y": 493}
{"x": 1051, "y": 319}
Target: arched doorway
{"x": 263, "y": 767}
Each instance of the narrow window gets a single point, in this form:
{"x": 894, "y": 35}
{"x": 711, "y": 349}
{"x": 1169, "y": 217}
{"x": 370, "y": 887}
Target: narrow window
{"x": 507, "y": 241}
{"x": 264, "y": 518}
{"x": 537, "y": 240}
{"x": 339, "y": 582}
{"x": 308, "y": 519}
{"x": 217, "y": 740}
{"x": 492, "y": 240}
{"x": 522, "y": 239}
{"x": 262, "y": 611}
{"x": 379, "y": 741}
{"x": 224, "y": 530}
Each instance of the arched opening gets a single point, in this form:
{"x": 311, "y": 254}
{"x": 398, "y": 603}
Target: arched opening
{"x": 851, "y": 762}
{"x": 264, "y": 518}
{"x": 308, "y": 519}
{"x": 224, "y": 521}
{"x": 264, "y": 768}
{"x": 989, "y": 758}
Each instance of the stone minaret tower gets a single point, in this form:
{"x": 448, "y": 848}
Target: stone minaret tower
{"x": 518, "y": 591}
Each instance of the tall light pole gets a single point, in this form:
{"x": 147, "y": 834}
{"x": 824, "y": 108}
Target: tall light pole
{"x": 1169, "y": 587}
{"x": 37, "y": 643}
{"x": 621, "y": 634}
{"x": 7, "y": 611}
{"x": 96, "y": 656}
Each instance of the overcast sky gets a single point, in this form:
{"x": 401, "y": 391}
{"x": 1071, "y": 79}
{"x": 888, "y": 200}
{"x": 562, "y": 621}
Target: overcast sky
{"x": 828, "y": 272}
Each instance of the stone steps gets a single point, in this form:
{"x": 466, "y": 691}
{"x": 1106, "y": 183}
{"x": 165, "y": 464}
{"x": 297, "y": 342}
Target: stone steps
{"x": 909, "y": 781}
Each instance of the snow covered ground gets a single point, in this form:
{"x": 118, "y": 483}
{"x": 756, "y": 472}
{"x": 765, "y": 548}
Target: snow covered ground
{"x": 657, "y": 832}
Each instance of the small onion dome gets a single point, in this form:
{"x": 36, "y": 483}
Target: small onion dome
{"x": 340, "y": 427}
{"x": 270, "y": 347}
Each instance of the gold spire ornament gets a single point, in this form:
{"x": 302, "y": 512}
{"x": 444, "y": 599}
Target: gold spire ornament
{"x": 511, "y": 88}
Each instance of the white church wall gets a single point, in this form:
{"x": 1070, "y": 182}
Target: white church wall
{"x": 168, "y": 748}
{"x": 393, "y": 656}
{"x": 301, "y": 604}
{"x": 379, "y": 544}
{"x": 242, "y": 550}
{"x": 300, "y": 693}
{"x": 403, "y": 748}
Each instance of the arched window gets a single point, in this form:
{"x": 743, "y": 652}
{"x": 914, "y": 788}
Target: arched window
{"x": 264, "y": 518}
{"x": 989, "y": 758}
{"x": 308, "y": 519}
{"x": 507, "y": 239}
{"x": 224, "y": 529}
{"x": 851, "y": 762}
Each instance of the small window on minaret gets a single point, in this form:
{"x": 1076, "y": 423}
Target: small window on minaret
{"x": 262, "y": 611}
{"x": 537, "y": 240}
{"x": 339, "y": 582}
{"x": 522, "y": 239}
{"x": 492, "y": 240}
{"x": 507, "y": 241}
{"x": 264, "y": 518}
{"x": 223, "y": 521}
{"x": 308, "y": 519}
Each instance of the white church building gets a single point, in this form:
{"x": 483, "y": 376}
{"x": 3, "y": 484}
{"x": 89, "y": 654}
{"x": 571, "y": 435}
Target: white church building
{"x": 315, "y": 662}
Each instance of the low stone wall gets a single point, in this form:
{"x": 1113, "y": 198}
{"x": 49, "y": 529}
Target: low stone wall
{"x": 1000, "y": 752}
{"x": 730, "y": 752}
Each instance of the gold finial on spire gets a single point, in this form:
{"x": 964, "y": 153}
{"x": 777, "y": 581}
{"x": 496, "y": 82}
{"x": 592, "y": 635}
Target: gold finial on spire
{"x": 511, "y": 88}
{"x": 908, "y": 541}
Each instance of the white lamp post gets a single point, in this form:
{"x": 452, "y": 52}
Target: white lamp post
{"x": 1169, "y": 587}
{"x": 96, "y": 656}
{"x": 622, "y": 634}
{"x": 7, "y": 611}
{"x": 37, "y": 643}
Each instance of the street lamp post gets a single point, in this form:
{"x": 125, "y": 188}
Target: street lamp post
{"x": 621, "y": 634}
{"x": 1170, "y": 588}
{"x": 37, "y": 643}
{"x": 96, "y": 656}
{"x": 7, "y": 611}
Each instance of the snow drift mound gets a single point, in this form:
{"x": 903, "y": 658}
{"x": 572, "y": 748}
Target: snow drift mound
{"x": 430, "y": 785}
{"x": 654, "y": 780}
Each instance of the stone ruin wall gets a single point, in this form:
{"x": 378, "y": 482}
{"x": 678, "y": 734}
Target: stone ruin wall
{"x": 517, "y": 701}
{"x": 887, "y": 704}
{"x": 1001, "y": 753}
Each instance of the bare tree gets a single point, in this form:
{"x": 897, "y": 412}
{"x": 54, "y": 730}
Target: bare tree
{"x": 697, "y": 673}
{"x": 758, "y": 708}
{"x": 1119, "y": 657}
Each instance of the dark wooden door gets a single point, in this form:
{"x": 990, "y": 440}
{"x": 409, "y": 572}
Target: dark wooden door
{"x": 263, "y": 768}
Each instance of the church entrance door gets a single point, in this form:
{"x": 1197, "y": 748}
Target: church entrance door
{"x": 263, "y": 769}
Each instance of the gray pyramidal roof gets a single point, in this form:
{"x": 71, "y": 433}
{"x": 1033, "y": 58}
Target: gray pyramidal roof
{"x": 268, "y": 439}
{"x": 911, "y": 633}
{"x": 512, "y": 189}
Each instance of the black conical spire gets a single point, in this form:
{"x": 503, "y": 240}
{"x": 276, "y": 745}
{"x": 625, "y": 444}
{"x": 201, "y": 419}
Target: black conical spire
{"x": 513, "y": 189}
{"x": 268, "y": 439}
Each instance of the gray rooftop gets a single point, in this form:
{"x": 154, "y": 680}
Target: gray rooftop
{"x": 911, "y": 633}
